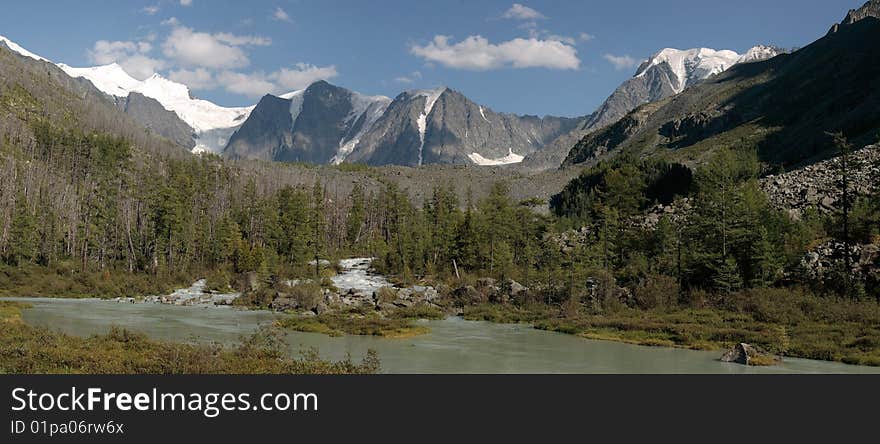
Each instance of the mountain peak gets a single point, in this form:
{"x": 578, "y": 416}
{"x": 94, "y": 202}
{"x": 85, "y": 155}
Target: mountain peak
{"x": 869, "y": 9}
{"x": 427, "y": 92}
{"x": 760, "y": 52}
{"x": 690, "y": 64}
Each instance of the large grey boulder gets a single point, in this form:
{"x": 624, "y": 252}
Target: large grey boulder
{"x": 746, "y": 354}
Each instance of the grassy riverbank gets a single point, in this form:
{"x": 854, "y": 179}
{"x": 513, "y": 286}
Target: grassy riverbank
{"x": 363, "y": 322}
{"x": 26, "y": 349}
{"x": 65, "y": 280}
{"x": 784, "y": 322}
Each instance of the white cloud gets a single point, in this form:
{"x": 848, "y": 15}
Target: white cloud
{"x": 621, "y": 62}
{"x": 197, "y": 79}
{"x": 132, "y": 56}
{"x": 254, "y": 84}
{"x": 409, "y": 78}
{"x": 186, "y": 2}
{"x": 200, "y": 49}
{"x": 251, "y": 85}
{"x": 205, "y": 61}
{"x": 562, "y": 38}
{"x": 281, "y": 15}
{"x": 150, "y": 10}
{"x": 171, "y": 21}
{"x": 584, "y": 37}
{"x": 140, "y": 66}
{"x": 302, "y": 75}
{"x": 520, "y": 12}
{"x": 241, "y": 40}
{"x": 476, "y": 53}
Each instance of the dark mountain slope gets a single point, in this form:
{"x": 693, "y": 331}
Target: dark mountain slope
{"x": 33, "y": 89}
{"x": 268, "y": 129}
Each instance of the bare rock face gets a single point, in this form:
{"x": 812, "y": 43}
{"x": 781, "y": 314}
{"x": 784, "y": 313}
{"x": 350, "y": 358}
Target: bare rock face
{"x": 326, "y": 124}
{"x": 869, "y": 9}
{"x": 444, "y": 126}
{"x": 265, "y": 132}
{"x": 317, "y": 125}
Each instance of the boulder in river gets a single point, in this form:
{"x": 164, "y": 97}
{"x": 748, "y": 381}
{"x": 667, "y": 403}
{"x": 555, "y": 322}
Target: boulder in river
{"x": 746, "y": 354}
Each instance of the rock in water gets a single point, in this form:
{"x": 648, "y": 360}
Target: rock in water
{"x": 746, "y": 354}
{"x": 740, "y": 353}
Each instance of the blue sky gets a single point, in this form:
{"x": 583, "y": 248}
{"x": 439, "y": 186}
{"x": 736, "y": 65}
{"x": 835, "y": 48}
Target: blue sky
{"x": 532, "y": 57}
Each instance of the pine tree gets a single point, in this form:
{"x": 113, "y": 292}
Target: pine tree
{"x": 22, "y": 246}
{"x": 355, "y": 219}
{"x": 317, "y": 227}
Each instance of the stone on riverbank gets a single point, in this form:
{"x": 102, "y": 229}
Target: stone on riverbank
{"x": 746, "y": 354}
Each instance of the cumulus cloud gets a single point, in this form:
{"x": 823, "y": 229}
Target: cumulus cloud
{"x": 186, "y": 2}
{"x": 562, "y": 38}
{"x": 150, "y": 10}
{"x": 257, "y": 84}
{"x": 621, "y": 62}
{"x": 409, "y": 78}
{"x": 584, "y": 37}
{"x": 200, "y": 49}
{"x": 520, "y": 12}
{"x": 198, "y": 79}
{"x": 241, "y": 40}
{"x": 254, "y": 84}
{"x": 171, "y": 21}
{"x": 302, "y": 75}
{"x": 140, "y": 66}
{"x": 476, "y": 53}
{"x": 281, "y": 15}
{"x": 207, "y": 61}
{"x": 132, "y": 56}
{"x": 251, "y": 85}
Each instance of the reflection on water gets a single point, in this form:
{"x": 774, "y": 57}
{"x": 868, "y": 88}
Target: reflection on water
{"x": 452, "y": 346}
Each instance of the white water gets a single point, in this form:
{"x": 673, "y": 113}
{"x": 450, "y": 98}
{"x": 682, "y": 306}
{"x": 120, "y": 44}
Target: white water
{"x": 356, "y": 276}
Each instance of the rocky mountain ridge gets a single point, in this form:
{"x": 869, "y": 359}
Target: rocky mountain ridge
{"x": 444, "y": 126}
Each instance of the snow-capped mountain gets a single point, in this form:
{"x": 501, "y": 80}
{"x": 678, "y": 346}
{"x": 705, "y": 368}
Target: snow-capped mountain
{"x": 320, "y": 124}
{"x": 212, "y": 125}
{"x": 443, "y": 126}
{"x": 328, "y": 124}
{"x": 325, "y": 123}
{"x": 18, "y": 49}
{"x": 197, "y": 124}
{"x": 669, "y": 72}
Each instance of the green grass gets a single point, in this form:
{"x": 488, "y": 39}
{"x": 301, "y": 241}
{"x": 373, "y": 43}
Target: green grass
{"x": 26, "y": 349}
{"x": 65, "y": 280}
{"x": 782, "y": 322}
{"x": 397, "y": 324}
